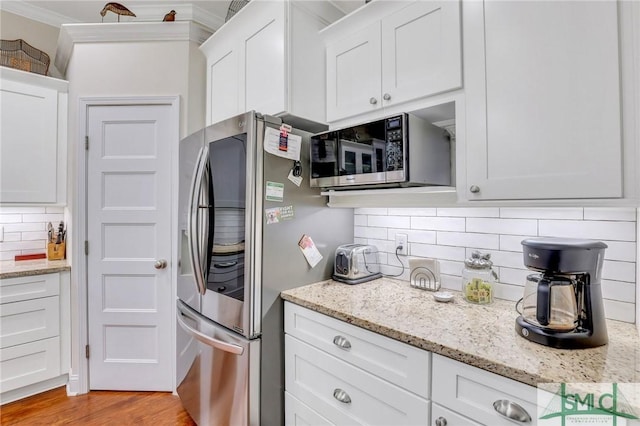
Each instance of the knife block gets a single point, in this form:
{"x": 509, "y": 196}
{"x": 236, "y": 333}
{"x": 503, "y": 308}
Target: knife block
{"x": 55, "y": 251}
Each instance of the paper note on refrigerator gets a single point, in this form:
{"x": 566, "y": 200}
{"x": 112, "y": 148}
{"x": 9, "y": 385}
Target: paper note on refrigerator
{"x": 272, "y": 144}
{"x": 309, "y": 250}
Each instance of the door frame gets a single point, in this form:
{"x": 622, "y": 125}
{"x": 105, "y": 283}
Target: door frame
{"x": 79, "y": 374}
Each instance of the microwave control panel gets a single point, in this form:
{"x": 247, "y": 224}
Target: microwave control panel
{"x": 394, "y": 143}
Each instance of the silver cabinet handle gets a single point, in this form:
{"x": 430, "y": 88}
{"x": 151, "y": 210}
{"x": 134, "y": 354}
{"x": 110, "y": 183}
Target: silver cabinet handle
{"x": 160, "y": 264}
{"x": 209, "y": 341}
{"x": 341, "y": 342}
{"x": 386, "y": 97}
{"x": 511, "y": 410}
{"x": 475, "y": 189}
{"x": 373, "y": 101}
{"x": 441, "y": 421}
{"x": 341, "y": 396}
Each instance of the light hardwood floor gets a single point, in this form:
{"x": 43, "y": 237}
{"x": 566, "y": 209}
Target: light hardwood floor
{"x": 101, "y": 408}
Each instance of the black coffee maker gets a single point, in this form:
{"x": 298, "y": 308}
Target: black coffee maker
{"x": 562, "y": 306}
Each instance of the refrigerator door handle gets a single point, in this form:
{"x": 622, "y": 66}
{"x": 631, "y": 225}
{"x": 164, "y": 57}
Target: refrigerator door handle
{"x": 209, "y": 341}
{"x": 194, "y": 223}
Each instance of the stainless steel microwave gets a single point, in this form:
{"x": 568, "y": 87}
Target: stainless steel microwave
{"x": 400, "y": 150}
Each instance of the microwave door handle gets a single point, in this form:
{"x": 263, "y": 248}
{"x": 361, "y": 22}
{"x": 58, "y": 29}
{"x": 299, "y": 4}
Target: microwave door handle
{"x": 207, "y": 340}
{"x": 194, "y": 225}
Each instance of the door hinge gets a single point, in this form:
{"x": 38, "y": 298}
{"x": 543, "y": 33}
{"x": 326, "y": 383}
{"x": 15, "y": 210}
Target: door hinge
{"x": 86, "y": 247}
{"x": 86, "y": 351}
{"x": 86, "y": 143}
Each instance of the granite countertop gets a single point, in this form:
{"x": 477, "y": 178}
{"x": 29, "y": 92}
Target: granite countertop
{"x": 482, "y": 336}
{"x": 24, "y": 268}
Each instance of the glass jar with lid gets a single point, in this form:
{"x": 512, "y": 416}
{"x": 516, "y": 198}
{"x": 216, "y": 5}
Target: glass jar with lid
{"x": 478, "y": 278}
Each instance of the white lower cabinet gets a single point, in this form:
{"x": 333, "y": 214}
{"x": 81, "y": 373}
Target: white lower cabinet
{"x": 348, "y": 375}
{"x": 337, "y": 373}
{"x": 34, "y": 334}
{"x": 478, "y": 394}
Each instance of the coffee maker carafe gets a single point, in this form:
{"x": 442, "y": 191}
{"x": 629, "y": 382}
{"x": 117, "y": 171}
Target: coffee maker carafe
{"x": 562, "y": 305}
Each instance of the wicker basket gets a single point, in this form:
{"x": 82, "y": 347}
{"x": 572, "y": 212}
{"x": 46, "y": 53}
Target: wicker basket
{"x": 21, "y": 55}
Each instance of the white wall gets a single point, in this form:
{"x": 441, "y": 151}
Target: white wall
{"x": 451, "y": 234}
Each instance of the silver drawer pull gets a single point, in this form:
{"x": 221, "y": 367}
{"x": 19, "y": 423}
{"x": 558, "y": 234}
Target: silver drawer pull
{"x": 441, "y": 421}
{"x": 511, "y": 410}
{"x": 341, "y": 396}
{"x": 341, "y": 342}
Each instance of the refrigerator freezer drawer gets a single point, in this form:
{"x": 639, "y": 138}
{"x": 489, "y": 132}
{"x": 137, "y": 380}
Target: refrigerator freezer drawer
{"x": 217, "y": 371}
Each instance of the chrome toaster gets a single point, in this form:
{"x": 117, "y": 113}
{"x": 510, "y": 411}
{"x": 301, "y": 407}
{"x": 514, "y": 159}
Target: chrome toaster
{"x": 356, "y": 263}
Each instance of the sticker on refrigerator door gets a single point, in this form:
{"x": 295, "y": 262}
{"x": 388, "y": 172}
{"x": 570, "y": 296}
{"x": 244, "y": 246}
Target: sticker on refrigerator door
{"x": 279, "y": 214}
{"x": 273, "y": 144}
{"x": 274, "y": 191}
{"x": 309, "y": 250}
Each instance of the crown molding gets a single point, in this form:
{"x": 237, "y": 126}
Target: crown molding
{"x": 35, "y": 13}
{"x": 71, "y": 34}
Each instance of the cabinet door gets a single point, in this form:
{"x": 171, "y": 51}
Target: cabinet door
{"x": 223, "y": 74}
{"x": 354, "y": 74}
{"x": 421, "y": 52}
{"x": 262, "y": 84}
{"x": 543, "y": 106}
{"x": 29, "y": 147}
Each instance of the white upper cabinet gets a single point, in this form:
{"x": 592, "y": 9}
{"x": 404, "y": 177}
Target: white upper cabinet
{"x": 269, "y": 58}
{"x": 543, "y": 100}
{"x": 33, "y": 139}
{"x": 388, "y": 53}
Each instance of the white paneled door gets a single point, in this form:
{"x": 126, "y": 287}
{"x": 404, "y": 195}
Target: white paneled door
{"x": 128, "y": 231}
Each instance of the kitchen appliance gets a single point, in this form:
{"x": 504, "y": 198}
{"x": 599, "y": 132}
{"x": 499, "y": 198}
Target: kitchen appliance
{"x": 562, "y": 306}
{"x": 356, "y": 263}
{"x": 401, "y": 150}
{"x": 242, "y": 211}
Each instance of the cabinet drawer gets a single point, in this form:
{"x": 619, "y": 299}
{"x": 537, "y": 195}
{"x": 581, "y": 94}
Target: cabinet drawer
{"x": 471, "y": 392}
{"x": 23, "y": 322}
{"x": 297, "y": 413}
{"x": 448, "y": 417}
{"x": 30, "y": 363}
{"x": 345, "y": 394}
{"x": 31, "y": 287}
{"x": 399, "y": 363}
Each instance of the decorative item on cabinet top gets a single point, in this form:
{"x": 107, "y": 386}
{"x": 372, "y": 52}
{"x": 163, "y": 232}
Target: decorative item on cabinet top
{"x": 116, "y": 8}
{"x": 235, "y": 7}
{"x": 21, "y": 55}
{"x": 170, "y": 17}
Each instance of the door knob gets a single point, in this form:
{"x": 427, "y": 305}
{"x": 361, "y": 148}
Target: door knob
{"x": 373, "y": 101}
{"x": 441, "y": 421}
{"x": 475, "y": 189}
{"x": 386, "y": 97}
{"x": 160, "y": 264}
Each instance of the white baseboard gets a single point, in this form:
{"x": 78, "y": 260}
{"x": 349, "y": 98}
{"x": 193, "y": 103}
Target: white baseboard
{"x": 23, "y": 392}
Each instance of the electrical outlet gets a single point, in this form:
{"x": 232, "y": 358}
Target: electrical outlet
{"x": 402, "y": 240}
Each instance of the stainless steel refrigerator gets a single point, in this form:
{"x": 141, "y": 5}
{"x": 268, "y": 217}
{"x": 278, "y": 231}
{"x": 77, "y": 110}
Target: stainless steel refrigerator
{"x": 241, "y": 217}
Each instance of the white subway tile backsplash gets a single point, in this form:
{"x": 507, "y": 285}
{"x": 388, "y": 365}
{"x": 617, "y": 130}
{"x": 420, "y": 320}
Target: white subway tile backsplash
{"x": 21, "y": 210}
{"x": 412, "y": 212}
{"x": 610, "y": 213}
{"x": 451, "y": 234}
{"x": 24, "y": 227}
{"x": 599, "y": 230}
{"x": 31, "y": 236}
{"x": 390, "y": 221}
{"x": 502, "y": 226}
{"x": 54, "y": 218}
{"x": 10, "y": 218}
{"x": 480, "y": 241}
{"x": 59, "y": 210}
{"x": 360, "y": 220}
{"x": 619, "y": 271}
{"x": 372, "y": 211}
{"x": 541, "y": 213}
{"x": 436, "y": 251}
{"x": 469, "y": 212}
{"x": 438, "y": 223}
{"x": 22, "y": 245}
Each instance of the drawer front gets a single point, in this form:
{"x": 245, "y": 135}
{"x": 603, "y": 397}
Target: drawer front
{"x": 471, "y": 392}
{"x": 345, "y": 394}
{"x": 441, "y": 416}
{"x": 23, "y": 322}
{"x": 30, "y": 363}
{"x": 31, "y": 287}
{"x": 397, "y": 362}
{"x": 296, "y": 413}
